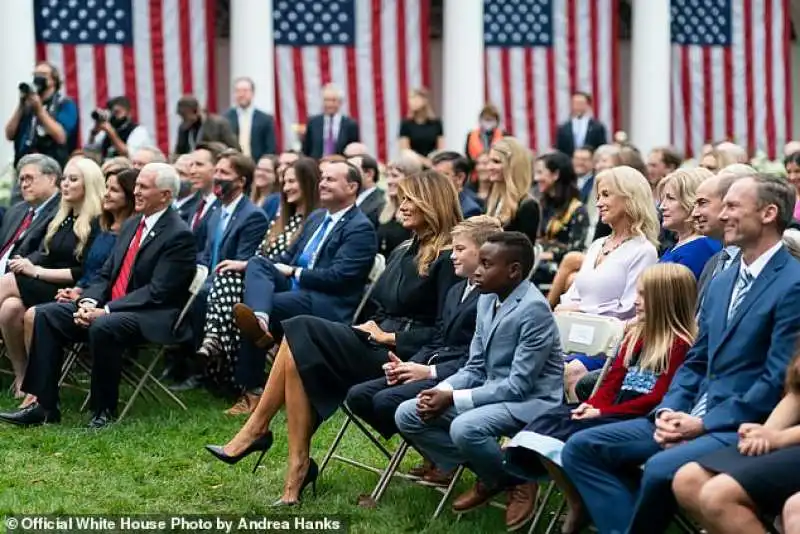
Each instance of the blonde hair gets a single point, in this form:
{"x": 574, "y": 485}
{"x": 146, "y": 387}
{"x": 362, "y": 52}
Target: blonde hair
{"x": 477, "y": 228}
{"x": 435, "y": 196}
{"x": 407, "y": 163}
{"x": 685, "y": 183}
{"x": 94, "y": 188}
{"x": 639, "y": 207}
{"x": 426, "y": 111}
{"x": 669, "y": 291}
{"x": 517, "y": 170}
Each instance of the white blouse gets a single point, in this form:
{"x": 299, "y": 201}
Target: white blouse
{"x": 610, "y": 288}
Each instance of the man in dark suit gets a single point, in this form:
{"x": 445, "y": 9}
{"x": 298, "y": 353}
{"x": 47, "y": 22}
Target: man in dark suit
{"x": 136, "y": 298}
{"x": 332, "y": 131}
{"x": 733, "y": 374}
{"x": 254, "y": 128}
{"x": 456, "y": 167}
{"x": 201, "y": 174}
{"x": 582, "y": 129}
{"x": 371, "y": 199}
{"x": 375, "y": 401}
{"x": 198, "y": 127}
{"x": 186, "y": 203}
{"x": 25, "y": 224}
{"x": 322, "y": 274}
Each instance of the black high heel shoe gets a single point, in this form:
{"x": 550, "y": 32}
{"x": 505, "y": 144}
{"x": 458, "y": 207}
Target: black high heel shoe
{"x": 309, "y": 480}
{"x": 262, "y": 444}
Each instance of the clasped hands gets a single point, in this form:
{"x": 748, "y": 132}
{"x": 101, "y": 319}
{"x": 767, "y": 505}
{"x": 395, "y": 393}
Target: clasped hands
{"x": 585, "y": 411}
{"x": 673, "y": 428}
{"x": 400, "y": 372}
{"x": 756, "y": 440}
{"x": 87, "y": 313}
{"x": 23, "y": 266}
{"x": 236, "y": 266}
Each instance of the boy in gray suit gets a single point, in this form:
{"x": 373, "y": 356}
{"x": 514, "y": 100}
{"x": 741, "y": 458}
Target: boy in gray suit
{"x": 514, "y": 372}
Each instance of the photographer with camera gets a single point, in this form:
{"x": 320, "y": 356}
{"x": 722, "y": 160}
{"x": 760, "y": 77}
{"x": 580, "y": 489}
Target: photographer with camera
{"x": 115, "y": 133}
{"x": 45, "y": 121}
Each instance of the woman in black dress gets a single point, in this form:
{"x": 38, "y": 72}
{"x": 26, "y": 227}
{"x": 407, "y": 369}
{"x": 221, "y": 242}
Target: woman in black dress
{"x": 510, "y": 200}
{"x": 319, "y": 360}
{"x": 59, "y": 261}
{"x": 391, "y": 231}
{"x": 733, "y": 489}
{"x": 299, "y": 197}
{"x": 421, "y": 131}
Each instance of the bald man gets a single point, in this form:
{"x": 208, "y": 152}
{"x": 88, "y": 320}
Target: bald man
{"x": 331, "y": 131}
{"x": 355, "y": 149}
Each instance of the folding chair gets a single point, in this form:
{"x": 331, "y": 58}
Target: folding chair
{"x": 140, "y": 376}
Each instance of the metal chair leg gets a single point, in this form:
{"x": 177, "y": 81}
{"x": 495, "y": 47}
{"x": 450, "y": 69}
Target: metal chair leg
{"x": 450, "y": 488}
{"x": 544, "y": 500}
{"x": 389, "y": 472}
{"x": 334, "y": 445}
{"x": 140, "y": 385}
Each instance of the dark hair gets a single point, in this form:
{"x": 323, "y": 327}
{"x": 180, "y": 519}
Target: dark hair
{"x": 127, "y": 181}
{"x": 587, "y": 148}
{"x": 354, "y": 176}
{"x": 188, "y": 102}
{"x": 215, "y": 148}
{"x": 242, "y": 165}
{"x": 669, "y": 156}
{"x": 631, "y": 157}
{"x": 793, "y": 375}
{"x": 566, "y": 186}
{"x": 54, "y": 73}
{"x": 584, "y": 94}
{"x": 368, "y": 163}
{"x": 776, "y": 190}
{"x": 122, "y": 101}
{"x": 490, "y": 110}
{"x": 306, "y": 171}
{"x": 518, "y": 249}
{"x": 459, "y": 162}
{"x": 792, "y": 158}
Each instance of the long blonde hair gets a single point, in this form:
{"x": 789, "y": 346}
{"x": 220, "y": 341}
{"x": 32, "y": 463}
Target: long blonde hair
{"x": 94, "y": 188}
{"x": 435, "y": 196}
{"x": 639, "y": 206}
{"x": 517, "y": 176}
{"x": 684, "y": 183}
{"x": 407, "y": 163}
{"x": 669, "y": 291}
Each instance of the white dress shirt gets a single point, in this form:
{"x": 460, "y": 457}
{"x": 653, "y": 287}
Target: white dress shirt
{"x": 210, "y": 199}
{"x": 580, "y": 127}
{"x": 754, "y": 269}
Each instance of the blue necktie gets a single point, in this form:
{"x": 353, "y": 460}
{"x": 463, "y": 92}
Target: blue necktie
{"x": 220, "y": 231}
{"x": 306, "y": 259}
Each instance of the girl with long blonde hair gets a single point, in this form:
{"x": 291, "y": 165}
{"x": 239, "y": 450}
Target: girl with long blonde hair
{"x": 510, "y": 170}
{"x": 59, "y": 261}
{"x": 653, "y": 348}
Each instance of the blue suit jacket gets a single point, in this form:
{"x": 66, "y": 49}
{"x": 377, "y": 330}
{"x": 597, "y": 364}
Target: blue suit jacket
{"x": 201, "y": 233}
{"x": 262, "y": 132}
{"x": 242, "y": 236}
{"x": 469, "y": 207}
{"x": 741, "y": 363}
{"x": 343, "y": 262}
{"x": 314, "y": 140}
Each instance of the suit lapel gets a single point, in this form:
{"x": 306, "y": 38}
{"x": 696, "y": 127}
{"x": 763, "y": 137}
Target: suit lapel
{"x": 510, "y": 304}
{"x": 337, "y": 227}
{"x": 236, "y": 213}
{"x": 452, "y": 307}
{"x": 162, "y": 222}
{"x": 341, "y": 137}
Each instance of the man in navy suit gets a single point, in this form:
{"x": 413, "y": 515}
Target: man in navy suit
{"x": 734, "y": 373}
{"x": 254, "y": 128}
{"x": 201, "y": 173}
{"x": 456, "y": 168}
{"x": 581, "y": 129}
{"x": 322, "y": 274}
{"x": 332, "y": 131}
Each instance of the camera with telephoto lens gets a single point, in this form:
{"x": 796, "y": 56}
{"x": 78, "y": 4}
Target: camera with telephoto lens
{"x": 101, "y": 115}
{"x": 39, "y": 86}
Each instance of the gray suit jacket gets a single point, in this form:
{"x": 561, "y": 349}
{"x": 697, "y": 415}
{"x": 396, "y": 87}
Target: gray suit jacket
{"x": 515, "y": 358}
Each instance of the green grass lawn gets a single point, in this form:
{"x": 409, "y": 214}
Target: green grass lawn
{"x": 154, "y": 463}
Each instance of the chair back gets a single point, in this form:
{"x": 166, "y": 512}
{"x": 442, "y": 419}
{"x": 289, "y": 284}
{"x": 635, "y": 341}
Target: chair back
{"x": 537, "y": 258}
{"x": 199, "y": 279}
{"x": 589, "y": 334}
{"x": 378, "y": 267}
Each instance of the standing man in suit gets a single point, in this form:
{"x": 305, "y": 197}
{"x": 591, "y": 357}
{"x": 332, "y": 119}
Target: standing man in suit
{"x": 198, "y": 127}
{"x": 186, "y": 202}
{"x": 734, "y": 373}
{"x": 376, "y": 401}
{"x": 201, "y": 173}
{"x": 581, "y": 129}
{"x": 254, "y": 128}
{"x": 136, "y": 298}
{"x": 514, "y": 372}
{"x": 25, "y": 223}
{"x": 371, "y": 199}
{"x": 322, "y": 274}
{"x": 332, "y": 131}
{"x": 456, "y": 168}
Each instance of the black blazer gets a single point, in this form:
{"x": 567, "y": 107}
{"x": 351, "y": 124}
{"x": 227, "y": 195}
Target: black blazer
{"x": 30, "y": 240}
{"x": 187, "y": 209}
{"x": 61, "y": 252}
{"x": 454, "y": 330}
{"x": 262, "y": 132}
{"x": 595, "y": 136}
{"x": 373, "y": 205}
{"x": 314, "y": 140}
{"x": 526, "y": 219}
{"x": 214, "y": 128}
{"x": 160, "y": 278}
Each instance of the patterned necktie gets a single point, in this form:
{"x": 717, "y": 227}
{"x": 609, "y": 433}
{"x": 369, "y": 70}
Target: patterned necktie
{"x": 721, "y": 262}
{"x": 120, "y": 287}
{"x": 743, "y": 285}
{"x": 24, "y": 225}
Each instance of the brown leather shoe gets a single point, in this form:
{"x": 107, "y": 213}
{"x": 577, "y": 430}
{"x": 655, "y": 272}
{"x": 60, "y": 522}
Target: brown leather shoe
{"x": 476, "y": 496}
{"x": 250, "y": 326}
{"x": 245, "y": 405}
{"x": 521, "y": 505}
{"x": 422, "y": 469}
{"x": 436, "y": 477}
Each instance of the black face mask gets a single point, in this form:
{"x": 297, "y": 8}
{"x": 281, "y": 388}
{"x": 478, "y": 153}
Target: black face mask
{"x": 223, "y": 188}
{"x": 186, "y": 188}
{"x": 40, "y": 83}
{"x": 117, "y": 122}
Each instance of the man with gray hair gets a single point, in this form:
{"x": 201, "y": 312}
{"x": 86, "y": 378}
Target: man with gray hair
{"x": 147, "y": 154}
{"x": 25, "y": 224}
{"x": 330, "y": 132}
{"x": 136, "y": 298}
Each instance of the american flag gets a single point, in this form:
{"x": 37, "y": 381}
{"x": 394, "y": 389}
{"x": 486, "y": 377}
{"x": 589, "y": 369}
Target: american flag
{"x": 538, "y": 52}
{"x": 731, "y": 74}
{"x": 375, "y": 51}
{"x": 152, "y": 51}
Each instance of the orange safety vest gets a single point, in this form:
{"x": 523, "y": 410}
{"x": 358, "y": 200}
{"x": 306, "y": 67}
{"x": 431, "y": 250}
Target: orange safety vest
{"x": 475, "y": 142}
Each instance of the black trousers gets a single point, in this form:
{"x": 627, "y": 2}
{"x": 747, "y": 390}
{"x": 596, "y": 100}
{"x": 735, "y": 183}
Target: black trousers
{"x": 108, "y": 337}
{"x": 375, "y": 402}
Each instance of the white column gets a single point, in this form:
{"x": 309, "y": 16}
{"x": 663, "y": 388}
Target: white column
{"x": 651, "y": 110}
{"x": 18, "y": 53}
{"x": 251, "y": 48}
{"x": 462, "y": 59}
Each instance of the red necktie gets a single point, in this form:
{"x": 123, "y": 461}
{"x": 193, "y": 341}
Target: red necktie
{"x": 120, "y": 287}
{"x": 198, "y": 214}
{"x": 26, "y": 222}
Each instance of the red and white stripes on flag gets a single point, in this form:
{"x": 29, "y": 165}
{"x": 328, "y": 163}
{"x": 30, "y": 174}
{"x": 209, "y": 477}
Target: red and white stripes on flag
{"x": 169, "y": 53}
{"x": 384, "y": 57}
{"x": 737, "y": 85}
{"x": 574, "y": 48}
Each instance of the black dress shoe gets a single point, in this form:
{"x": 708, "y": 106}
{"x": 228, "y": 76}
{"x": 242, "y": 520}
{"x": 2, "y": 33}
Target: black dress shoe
{"x": 101, "y": 419}
{"x": 32, "y": 415}
{"x": 193, "y": 382}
